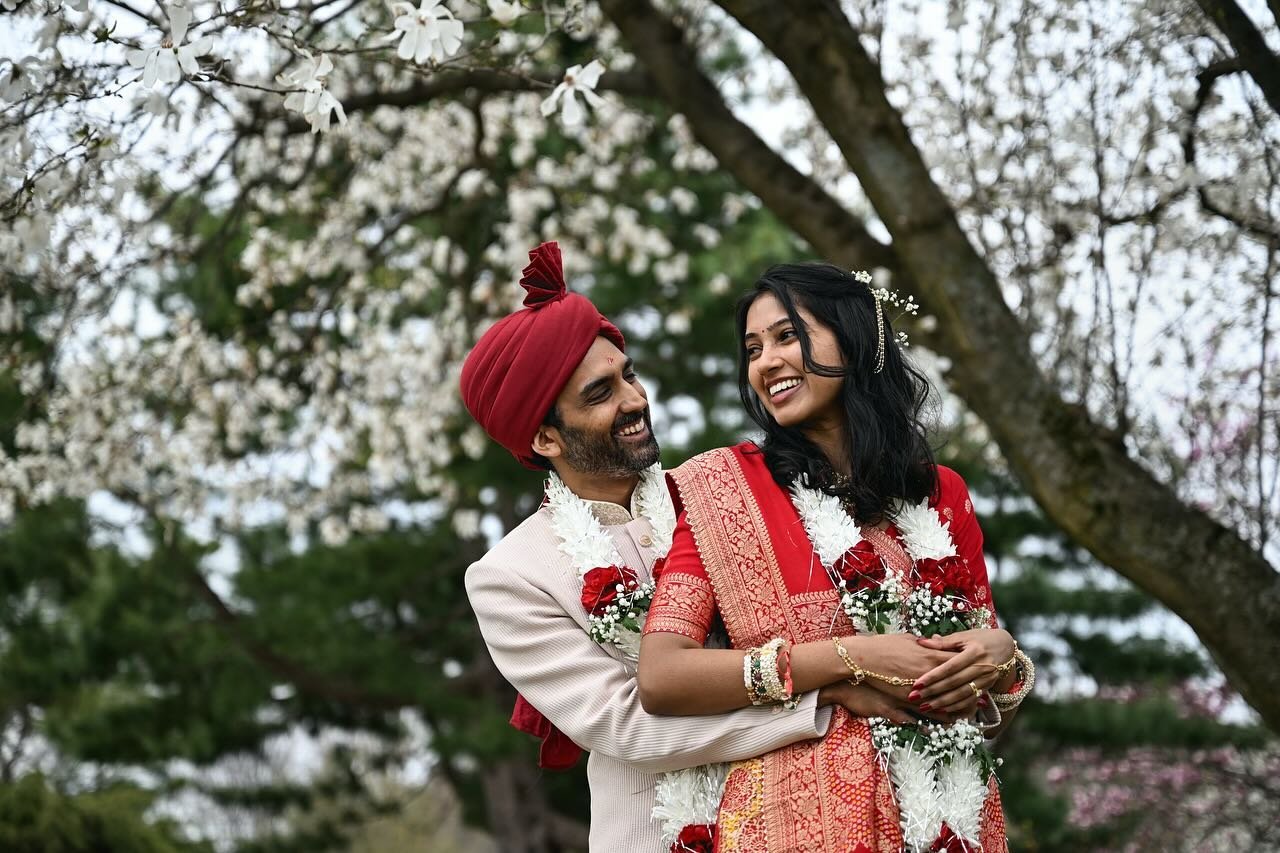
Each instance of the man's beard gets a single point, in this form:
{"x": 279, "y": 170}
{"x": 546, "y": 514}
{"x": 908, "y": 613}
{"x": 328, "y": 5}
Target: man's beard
{"x": 605, "y": 454}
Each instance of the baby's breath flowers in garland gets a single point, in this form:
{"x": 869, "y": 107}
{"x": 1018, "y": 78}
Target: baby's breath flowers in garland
{"x": 617, "y": 602}
{"x": 939, "y": 772}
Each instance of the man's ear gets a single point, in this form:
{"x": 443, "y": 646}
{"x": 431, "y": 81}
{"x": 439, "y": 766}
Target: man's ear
{"x": 546, "y": 442}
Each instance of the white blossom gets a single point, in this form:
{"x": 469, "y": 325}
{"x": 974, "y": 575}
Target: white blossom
{"x": 577, "y": 80}
{"x": 169, "y": 60}
{"x": 504, "y": 11}
{"x": 314, "y": 102}
{"x": 428, "y": 33}
{"x": 20, "y": 78}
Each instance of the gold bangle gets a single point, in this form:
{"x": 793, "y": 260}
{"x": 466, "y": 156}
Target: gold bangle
{"x": 860, "y": 674}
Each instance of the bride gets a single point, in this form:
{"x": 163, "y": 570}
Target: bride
{"x": 842, "y": 559}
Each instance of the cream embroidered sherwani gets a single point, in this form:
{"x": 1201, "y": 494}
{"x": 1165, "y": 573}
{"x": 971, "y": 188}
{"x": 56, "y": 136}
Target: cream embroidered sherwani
{"x": 526, "y": 597}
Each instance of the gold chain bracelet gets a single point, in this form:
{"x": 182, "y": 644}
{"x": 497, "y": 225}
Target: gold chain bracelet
{"x": 860, "y": 674}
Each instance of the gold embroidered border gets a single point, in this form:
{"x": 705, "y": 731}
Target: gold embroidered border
{"x": 734, "y": 543}
{"x": 684, "y": 605}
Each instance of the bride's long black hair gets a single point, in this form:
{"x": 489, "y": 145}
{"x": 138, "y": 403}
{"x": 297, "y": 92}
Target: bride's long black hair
{"x": 888, "y": 445}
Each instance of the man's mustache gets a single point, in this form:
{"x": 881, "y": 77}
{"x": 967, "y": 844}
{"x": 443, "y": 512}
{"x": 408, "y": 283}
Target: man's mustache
{"x": 625, "y": 421}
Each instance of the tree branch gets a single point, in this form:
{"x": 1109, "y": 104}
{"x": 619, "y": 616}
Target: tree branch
{"x": 795, "y": 198}
{"x": 1205, "y": 81}
{"x": 453, "y": 83}
{"x": 1084, "y": 480}
{"x": 1250, "y": 47}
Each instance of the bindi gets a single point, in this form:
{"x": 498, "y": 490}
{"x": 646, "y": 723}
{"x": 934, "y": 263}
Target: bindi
{"x": 610, "y": 360}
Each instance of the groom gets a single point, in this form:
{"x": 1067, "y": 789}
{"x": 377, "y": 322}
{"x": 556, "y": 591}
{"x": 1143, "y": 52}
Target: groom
{"x": 552, "y": 384}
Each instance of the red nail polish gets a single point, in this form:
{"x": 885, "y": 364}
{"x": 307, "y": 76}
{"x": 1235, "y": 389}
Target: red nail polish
{"x": 914, "y": 695}
{"x": 982, "y": 701}
{"x": 924, "y": 706}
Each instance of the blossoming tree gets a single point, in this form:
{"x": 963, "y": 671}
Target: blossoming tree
{"x": 246, "y": 245}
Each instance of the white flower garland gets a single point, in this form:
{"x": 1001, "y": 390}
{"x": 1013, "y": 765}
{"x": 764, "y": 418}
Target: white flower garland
{"x": 937, "y": 776}
{"x": 681, "y": 797}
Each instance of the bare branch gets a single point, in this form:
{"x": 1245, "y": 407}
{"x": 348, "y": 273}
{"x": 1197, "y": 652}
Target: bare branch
{"x": 1251, "y": 48}
{"x": 795, "y": 198}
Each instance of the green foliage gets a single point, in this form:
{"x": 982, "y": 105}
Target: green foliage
{"x": 34, "y": 817}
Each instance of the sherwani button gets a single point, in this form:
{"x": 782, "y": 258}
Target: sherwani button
{"x": 646, "y": 540}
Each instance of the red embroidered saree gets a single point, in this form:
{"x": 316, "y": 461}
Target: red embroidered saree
{"x": 740, "y": 548}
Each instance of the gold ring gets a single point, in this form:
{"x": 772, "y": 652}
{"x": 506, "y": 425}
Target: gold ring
{"x": 974, "y": 688}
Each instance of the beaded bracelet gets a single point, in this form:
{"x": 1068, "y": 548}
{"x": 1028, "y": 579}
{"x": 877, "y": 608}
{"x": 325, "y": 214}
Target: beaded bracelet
{"x": 769, "y": 665}
{"x": 1027, "y": 671}
{"x": 753, "y": 676}
{"x": 762, "y": 677}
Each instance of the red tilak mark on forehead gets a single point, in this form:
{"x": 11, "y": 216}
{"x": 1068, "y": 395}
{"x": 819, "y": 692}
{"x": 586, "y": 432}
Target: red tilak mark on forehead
{"x": 610, "y": 358}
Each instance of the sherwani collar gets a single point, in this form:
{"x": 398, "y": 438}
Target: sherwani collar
{"x": 611, "y": 514}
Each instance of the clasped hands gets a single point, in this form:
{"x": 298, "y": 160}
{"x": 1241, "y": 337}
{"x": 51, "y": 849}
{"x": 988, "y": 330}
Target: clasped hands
{"x": 943, "y": 669}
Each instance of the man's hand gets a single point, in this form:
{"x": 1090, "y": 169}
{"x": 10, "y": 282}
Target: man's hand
{"x": 863, "y": 701}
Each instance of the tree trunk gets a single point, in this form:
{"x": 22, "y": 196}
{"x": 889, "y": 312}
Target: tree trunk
{"x": 1078, "y": 472}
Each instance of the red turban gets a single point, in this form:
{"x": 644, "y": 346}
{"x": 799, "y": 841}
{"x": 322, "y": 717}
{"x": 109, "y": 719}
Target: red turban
{"x": 519, "y": 367}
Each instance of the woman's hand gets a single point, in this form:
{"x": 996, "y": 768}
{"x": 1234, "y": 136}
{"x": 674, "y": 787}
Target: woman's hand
{"x": 862, "y": 700}
{"x": 949, "y": 687}
{"x": 897, "y": 655}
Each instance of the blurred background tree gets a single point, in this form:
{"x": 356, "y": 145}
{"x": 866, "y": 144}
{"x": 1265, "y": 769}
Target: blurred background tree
{"x": 238, "y": 492}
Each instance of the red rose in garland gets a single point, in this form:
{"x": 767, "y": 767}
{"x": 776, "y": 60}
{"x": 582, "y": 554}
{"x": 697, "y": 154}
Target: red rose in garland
{"x": 950, "y": 575}
{"x": 949, "y": 842}
{"x": 695, "y": 838}
{"x": 600, "y": 587}
{"x": 861, "y": 567}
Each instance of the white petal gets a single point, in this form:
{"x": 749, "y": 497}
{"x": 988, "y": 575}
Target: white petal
{"x": 323, "y": 66}
{"x": 504, "y": 13}
{"x": 187, "y": 59}
{"x": 167, "y": 67}
{"x": 426, "y": 48}
{"x": 549, "y": 103}
{"x": 179, "y": 21}
{"x": 138, "y": 58}
{"x": 408, "y": 44}
{"x": 571, "y": 112}
{"x": 590, "y": 75}
{"x": 152, "y": 70}
{"x": 451, "y": 36}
